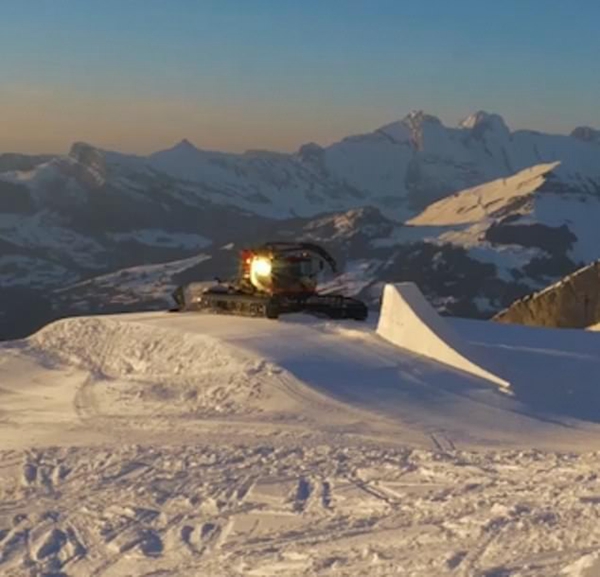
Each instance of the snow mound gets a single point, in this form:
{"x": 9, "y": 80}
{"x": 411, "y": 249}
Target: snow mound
{"x": 144, "y": 365}
{"x": 409, "y": 321}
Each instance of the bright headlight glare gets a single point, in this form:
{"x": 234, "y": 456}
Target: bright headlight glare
{"x": 261, "y": 266}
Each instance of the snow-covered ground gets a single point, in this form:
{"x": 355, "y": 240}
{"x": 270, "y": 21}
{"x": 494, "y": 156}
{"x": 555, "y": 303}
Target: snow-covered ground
{"x": 161, "y": 238}
{"x": 187, "y": 444}
{"x": 131, "y": 285}
{"x": 463, "y": 219}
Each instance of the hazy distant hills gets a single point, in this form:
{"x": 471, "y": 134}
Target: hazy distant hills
{"x": 14, "y": 161}
{"x": 516, "y": 211}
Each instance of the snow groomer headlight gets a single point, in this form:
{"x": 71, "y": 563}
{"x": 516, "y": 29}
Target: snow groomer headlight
{"x": 261, "y": 267}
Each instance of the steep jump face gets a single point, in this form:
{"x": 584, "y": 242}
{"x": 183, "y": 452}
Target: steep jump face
{"x": 409, "y": 321}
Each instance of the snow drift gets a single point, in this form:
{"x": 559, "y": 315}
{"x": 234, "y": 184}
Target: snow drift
{"x": 135, "y": 366}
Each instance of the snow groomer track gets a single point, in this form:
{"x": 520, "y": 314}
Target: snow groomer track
{"x": 186, "y": 444}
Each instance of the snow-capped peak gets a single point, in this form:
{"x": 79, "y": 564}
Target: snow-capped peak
{"x": 183, "y": 149}
{"x": 586, "y": 134}
{"x": 90, "y": 163}
{"x": 418, "y": 124}
{"x": 183, "y": 160}
{"x": 311, "y": 152}
{"x": 185, "y": 144}
{"x": 482, "y": 121}
{"x": 416, "y": 118}
{"x": 84, "y": 153}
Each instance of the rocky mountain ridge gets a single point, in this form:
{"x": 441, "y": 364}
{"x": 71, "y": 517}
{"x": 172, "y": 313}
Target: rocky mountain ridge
{"x": 371, "y": 198}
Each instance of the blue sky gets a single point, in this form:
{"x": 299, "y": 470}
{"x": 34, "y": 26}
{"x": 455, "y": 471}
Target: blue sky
{"x": 138, "y": 75}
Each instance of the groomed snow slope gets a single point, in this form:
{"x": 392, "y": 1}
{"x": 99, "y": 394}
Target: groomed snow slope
{"x": 188, "y": 444}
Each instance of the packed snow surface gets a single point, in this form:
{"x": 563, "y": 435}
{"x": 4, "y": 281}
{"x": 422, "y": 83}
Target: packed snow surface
{"x": 190, "y": 444}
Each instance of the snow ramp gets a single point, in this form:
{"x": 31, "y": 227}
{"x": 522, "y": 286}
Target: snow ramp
{"x": 409, "y": 321}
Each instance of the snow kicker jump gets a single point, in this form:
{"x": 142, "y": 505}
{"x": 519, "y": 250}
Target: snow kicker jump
{"x": 409, "y": 321}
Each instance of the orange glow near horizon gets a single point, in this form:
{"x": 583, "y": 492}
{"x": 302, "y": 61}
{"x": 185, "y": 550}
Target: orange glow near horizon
{"x": 49, "y": 119}
{"x": 41, "y": 120}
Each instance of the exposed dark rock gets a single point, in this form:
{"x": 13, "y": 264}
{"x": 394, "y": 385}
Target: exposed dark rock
{"x": 551, "y": 239}
{"x": 445, "y": 274}
{"x": 586, "y": 134}
{"x": 550, "y": 267}
{"x": 15, "y": 198}
{"x": 29, "y": 310}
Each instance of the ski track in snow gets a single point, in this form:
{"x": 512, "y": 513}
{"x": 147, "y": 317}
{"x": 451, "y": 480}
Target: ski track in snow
{"x": 264, "y": 508}
{"x": 160, "y": 445}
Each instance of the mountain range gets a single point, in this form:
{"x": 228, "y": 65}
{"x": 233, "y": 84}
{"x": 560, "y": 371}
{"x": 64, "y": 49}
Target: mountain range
{"x": 476, "y": 214}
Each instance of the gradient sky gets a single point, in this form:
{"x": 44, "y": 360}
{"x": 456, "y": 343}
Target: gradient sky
{"x": 139, "y": 75}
